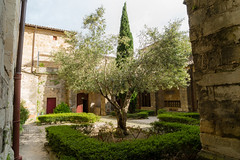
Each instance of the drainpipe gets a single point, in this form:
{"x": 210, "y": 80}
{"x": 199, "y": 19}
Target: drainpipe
{"x": 17, "y": 84}
{"x": 33, "y": 47}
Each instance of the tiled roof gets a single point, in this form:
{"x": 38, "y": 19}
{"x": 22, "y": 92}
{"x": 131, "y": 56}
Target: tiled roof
{"x": 44, "y": 27}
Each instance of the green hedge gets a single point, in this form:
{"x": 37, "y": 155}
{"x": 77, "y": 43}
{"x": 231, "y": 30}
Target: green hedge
{"x": 189, "y": 114}
{"x": 150, "y": 112}
{"x": 69, "y": 142}
{"x": 140, "y": 115}
{"x": 177, "y": 118}
{"x": 194, "y": 115}
{"x": 160, "y": 111}
{"x": 168, "y": 127}
{"x": 68, "y": 117}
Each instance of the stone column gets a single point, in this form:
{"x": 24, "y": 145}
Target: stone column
{"x": 160, "y": 99}
{"x": 183, "y": 99}
{"x": 215, "y": 38}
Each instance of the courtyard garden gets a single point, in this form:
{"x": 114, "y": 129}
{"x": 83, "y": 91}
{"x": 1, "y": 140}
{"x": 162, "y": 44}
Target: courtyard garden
{"x": 174, "y": 136}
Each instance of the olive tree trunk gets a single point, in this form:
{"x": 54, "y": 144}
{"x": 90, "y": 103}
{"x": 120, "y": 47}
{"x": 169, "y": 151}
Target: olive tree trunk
{"x": 121, "y": 116}
{"x": 121, "y": 113}
{"x": 121, "y": 110}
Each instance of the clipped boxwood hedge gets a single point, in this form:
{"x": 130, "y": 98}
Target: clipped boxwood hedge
{"x": 168, "y": 127}
{"x": 161, "y": 111}
{"x": 194, "y": 115}
{"x": 68, "y": 117}
{"x": 150, "y": 112}
{"x": 142, "y": 115}
{"x": 139, "y": 115}
{"x": 67, "y": 141}
{"x": 177, "y": 118}
{"x": 189, "y": 114}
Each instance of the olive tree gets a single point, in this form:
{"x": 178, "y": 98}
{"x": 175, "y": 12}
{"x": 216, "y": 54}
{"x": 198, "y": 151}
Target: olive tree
{"x": 85, "y": 66}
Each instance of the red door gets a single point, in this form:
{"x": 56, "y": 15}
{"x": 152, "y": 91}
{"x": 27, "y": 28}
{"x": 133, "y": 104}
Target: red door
{"x": 51, "y": 104}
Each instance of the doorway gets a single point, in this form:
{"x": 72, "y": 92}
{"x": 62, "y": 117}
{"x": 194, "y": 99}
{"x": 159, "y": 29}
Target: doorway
{"x": 51, "y": 104}
{"x": 82, "y": 102}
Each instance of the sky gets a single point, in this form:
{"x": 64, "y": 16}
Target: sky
{"x": 68, "y": 14}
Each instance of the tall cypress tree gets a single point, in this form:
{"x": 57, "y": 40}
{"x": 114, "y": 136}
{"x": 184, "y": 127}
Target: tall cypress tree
{"x": 124, "y": 49}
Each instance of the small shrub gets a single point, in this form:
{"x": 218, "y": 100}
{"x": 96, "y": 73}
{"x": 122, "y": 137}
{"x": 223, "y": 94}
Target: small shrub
{"x": 113, "y": 113}
{"x": 62, "y": 108}
{"x": 176, "y": 118}
{"x": 24, "y": 113}
{"x": 68, "y": 117}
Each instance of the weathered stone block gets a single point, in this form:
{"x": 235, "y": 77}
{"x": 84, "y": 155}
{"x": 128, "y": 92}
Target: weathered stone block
{"x": 221, "y": 78}
{"x": 216, "y": 23}
{"x": 230, "y": 54}
{"x": 207, "y": 126}
{"x": 220, "y": 145}
{"x": 229, "y": 92}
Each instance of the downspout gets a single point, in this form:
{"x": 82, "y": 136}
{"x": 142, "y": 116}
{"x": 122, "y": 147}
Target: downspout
{"x": 17, "y": 83}
{"x": 33, "y": 47}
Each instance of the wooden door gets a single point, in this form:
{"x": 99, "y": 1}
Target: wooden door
{"x": 51, "y": 104}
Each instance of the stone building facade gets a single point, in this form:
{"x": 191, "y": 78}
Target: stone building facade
{"x": 215, "y": 38}
{"x": 9, "y": 29}
{"x": 42, "y": 90}
{"x": 40, "y": 83}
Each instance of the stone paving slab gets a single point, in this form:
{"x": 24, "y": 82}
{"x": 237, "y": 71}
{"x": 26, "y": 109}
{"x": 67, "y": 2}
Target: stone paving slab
{"x": 32, "y": 141}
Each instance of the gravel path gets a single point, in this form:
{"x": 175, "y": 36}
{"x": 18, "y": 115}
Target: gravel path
{"x": 143, "y": 123}
{"x": 33, "y": 137}
{"x": 32, "y": 141}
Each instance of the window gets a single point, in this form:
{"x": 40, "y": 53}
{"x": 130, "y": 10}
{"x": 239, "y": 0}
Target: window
{"x": 54, "y": 38}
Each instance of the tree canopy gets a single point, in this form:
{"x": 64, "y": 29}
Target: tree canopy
{"x": 85, "y": 64}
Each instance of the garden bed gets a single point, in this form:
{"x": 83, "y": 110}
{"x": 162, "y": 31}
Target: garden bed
{"x": 69, "y": 142}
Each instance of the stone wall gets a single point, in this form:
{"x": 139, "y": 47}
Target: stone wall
{"x": 9, "y": 28}
{"x": 215, "y": 38}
